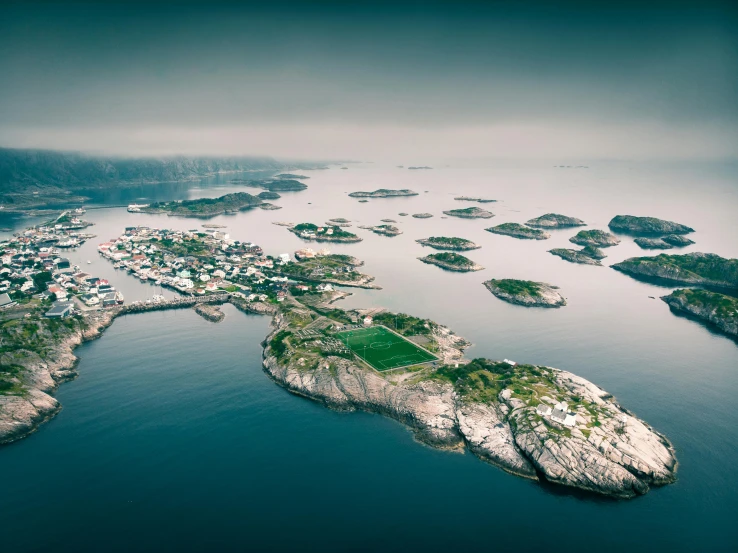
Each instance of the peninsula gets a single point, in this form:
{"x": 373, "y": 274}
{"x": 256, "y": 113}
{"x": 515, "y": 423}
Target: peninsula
{"x": 596, "y": 238}
{"x": 309, "y": 231}
{"x": 629, "y": 224}
{"x": 554, "y": 221}
{"x": 517, "y": 230}
{"x": 526, "y": 292}
{"x": 470, "y": 213}
{"x": 701, "y": 269}
{"x": 449, "y": 243}
{"x": 206, "y": 207}
{"x": 383, "y": 193}
{"x": 451, "y": 262}
{"x": 717, "y": 310}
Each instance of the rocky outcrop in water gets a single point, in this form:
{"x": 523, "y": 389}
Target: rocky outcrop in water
{"x": 448, "y": 243}
{"x": 576, "y": 256}
{"x": 473, "y": 199}
{"x": 715, "y": 309}
{"x": 677, "y": 240}
{"x": 631, "y": 224}
{"x": 383, "y": 193}
{"x": 384, "y": 230}
{"x": 596, "y": 238}
{"x": 652, "y": 243}
{"x": 451, "y": 262}
{"x": 554, "y": 221}
{"x": 704, "y": 269}
{"x": 526, "y": 292}
{"x": 519, "y": 231}
{"x": 470, "y": 213}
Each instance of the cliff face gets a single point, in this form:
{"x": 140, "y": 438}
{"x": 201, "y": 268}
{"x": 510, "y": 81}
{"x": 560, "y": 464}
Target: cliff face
{"x": 620, "y": 456}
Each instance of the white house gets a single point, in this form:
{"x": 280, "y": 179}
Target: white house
{"x": 562, "y": 415}
{"x": 367, "y": 321}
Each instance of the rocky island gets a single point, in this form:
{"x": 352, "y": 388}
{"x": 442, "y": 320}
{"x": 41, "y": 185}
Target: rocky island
{"x": 717, "y": 310}
{"x": 700, "y": 269}
{"x": 383, "y": 193}
{"x": 472, "y": 199}
{"x": 596, "y": 238}
{"x": 274, "y": 185}
{"x": 526, "y": 292}
{"x": 451, "y": 262}
{"x": 384, "y": 230}
{"x": 677, "y": 240}
{"x": 470, "y": 213}
{"x": 448, "y": 243}
{"x": 664, "y": 243}
{"x": 331, "y": 268}
{"x": 554, "y": 221}
{"x": 309, "y": 231}
{"x": 422, "y": 215}
{"x": 630, "y": 224}
{"x": 532, "y": 421}
{"x": 517, "y": 230}
{"x": 589, "y": 255}
{"x": 206, "y": 207}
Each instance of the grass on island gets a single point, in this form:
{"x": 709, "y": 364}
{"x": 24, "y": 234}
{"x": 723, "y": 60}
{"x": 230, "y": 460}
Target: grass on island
{"x": 338, "y": 232}
{"x": 450, "y": 258}
{"x": 723, "y": 306}
{"x": 450, "y": 241}
{"x": 707, "y": 266}
{"x": 517, "y": 287}
{"x": 208, "y": 206}
{"x": 515, "y": 228}
{"x": 383, "y": 349}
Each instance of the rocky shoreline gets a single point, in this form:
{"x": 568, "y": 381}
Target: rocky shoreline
{"x": 620, "y": 456}
{"x": 383, "y": 193}
{"x": 702, "y": 269}
{"x": 526, "y": 293}
{"x": 22, "y": 415}
{"x": 460, "y": 263}
{"x": 446, "y": 243}
{"x": 555, "y": 221}
{"x": 716, "y": 310}
{"x": 516, "y": 230}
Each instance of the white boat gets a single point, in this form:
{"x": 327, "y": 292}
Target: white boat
{"x": 89, "y": 262}
{"x": 136, "y": 208}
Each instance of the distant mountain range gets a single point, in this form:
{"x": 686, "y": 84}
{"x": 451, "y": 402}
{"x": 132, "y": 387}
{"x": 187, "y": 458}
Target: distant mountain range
{"x": 35, "y": 178}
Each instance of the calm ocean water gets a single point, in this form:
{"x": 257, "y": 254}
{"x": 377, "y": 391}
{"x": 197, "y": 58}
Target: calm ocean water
{"x": 173, "y": 437}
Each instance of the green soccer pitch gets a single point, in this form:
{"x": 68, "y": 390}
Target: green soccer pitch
{"x": 383, "y": 349}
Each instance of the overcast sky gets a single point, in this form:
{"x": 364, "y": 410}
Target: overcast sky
{"x": 374, "y": 82}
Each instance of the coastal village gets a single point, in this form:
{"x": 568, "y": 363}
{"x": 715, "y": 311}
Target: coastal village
{"x": 35, "y": 269}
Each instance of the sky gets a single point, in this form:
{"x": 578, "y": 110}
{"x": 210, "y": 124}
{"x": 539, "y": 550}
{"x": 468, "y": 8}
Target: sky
{"x": 394, "y": 81}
